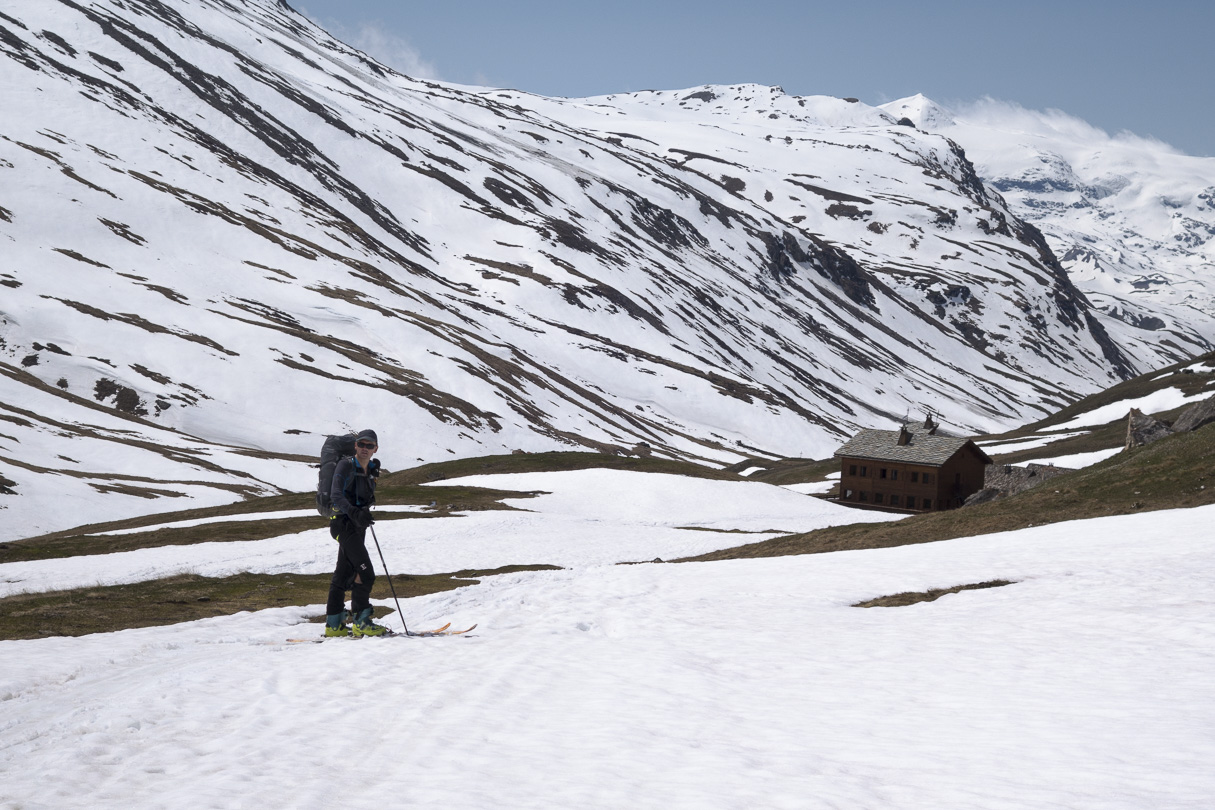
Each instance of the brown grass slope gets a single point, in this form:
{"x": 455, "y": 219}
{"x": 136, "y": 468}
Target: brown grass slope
{"x": 1112, "y": 433}
{"x": 188, "y": 597}
{"x": 402, "y": 488}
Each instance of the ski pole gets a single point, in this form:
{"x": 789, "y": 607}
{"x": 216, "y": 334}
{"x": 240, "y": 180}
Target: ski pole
{"x": 400, "y": 612}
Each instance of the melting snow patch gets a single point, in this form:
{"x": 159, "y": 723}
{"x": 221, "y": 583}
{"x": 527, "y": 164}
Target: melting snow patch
{"x": 1163, "y": 400}
{"x": 1014, "y": 445}
{"x": 1076, "y": 461}
{"x": 811, "y": 488}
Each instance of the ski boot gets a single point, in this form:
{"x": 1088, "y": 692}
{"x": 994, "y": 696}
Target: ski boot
{"x": 364, "y": 626}
{"x": 334, "y": 627}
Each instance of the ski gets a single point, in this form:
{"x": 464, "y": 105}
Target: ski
{"x": 442, "y": 631}
{"x": 438, "y": 631}
{"x": 445, "y": 631}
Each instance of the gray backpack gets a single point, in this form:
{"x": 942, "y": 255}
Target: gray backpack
{"x": 332, "y": 451}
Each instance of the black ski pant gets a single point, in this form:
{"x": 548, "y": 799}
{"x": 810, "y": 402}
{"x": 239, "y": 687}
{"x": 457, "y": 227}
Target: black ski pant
{"x": 353, "y": 572}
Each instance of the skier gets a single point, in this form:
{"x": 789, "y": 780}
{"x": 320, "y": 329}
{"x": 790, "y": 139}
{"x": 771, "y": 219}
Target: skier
{"x": 352, "y": 493}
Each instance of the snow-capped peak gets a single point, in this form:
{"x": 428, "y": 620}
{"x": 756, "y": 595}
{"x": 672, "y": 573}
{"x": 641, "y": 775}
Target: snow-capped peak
{"x": 921, "y": 111}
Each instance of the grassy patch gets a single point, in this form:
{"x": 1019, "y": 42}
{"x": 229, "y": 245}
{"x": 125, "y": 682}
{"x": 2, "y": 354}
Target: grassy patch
{"x": 75, "y": 545}
{"x": 788, "y": 470}
{"x": 931, "y": 595}
{"x": 85, "y": 540}
{"x": 1174, "y": 473}
{"x": 1113, "y": 433}
{"x": 1168, "y": 377}
{"x": 188, "y": 597}
{"x": 65, "y": 544}
{"x": 1100, "y": 438}
{"x": 403, "y": 488}
{"x": 546, "y": 462}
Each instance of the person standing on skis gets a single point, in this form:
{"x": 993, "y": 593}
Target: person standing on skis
{"x": 352, "y": 493}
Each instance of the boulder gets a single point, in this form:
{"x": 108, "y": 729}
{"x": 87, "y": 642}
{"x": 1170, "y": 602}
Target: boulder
{"x": 1143, "y": 429}
{"x": 1195, "y": 416}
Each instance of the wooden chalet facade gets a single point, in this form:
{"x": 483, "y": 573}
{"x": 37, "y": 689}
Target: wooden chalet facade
{"x": 910, "y": 469}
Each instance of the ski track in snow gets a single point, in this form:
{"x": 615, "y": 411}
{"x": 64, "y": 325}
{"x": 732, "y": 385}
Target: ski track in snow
{"x": 740, "y": 684}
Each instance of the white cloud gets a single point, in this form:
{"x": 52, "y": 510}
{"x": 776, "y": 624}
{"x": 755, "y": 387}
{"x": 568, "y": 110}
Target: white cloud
{"x": 375, "y": 40}
{"x": 1011, "y": 116}
{"x": 394, "y": 51}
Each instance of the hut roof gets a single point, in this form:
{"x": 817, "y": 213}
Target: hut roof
{"x": 919, "y": 445}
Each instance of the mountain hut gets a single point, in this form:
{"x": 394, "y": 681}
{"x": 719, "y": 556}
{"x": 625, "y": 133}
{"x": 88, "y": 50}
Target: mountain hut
{"x": 911, "y": 469}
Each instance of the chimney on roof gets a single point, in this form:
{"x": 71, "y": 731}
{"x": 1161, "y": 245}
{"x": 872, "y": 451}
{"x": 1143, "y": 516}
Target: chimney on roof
{"x": 904, "y": 435}
{"x": 930, "y": 425}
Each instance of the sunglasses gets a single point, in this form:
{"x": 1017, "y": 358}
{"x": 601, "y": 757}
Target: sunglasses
{"x": 365, "y": 445}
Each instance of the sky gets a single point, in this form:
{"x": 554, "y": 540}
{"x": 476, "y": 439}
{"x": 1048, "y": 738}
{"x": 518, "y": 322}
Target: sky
{"x": 1133, "y": 66}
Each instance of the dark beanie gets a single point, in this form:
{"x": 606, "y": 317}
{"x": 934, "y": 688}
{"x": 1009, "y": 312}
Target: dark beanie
{"x": 368, "y": 435}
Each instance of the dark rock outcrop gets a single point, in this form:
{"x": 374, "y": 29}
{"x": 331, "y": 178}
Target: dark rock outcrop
{"x": 1143, "y": 429}
{"x": 1195, "y": 416}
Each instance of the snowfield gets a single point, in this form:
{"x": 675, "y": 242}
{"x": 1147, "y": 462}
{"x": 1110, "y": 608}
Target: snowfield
{"x": 741, "y": 684}
{"x": 586, "y": 517}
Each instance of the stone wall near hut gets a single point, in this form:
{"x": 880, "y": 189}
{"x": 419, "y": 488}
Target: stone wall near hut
{"x": 1002, "y": 480}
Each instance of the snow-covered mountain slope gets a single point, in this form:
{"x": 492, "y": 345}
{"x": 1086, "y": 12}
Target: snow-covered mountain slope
{"x": 218, "y": 219}
{"x": 1131, "y": 219}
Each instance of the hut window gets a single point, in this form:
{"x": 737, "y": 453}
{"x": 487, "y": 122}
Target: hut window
{"x": 864, "y": 495}
{"x": 927, "y": 478}
{"x": 894, "y": 500}
{"x": 915, "y": 478}
{"x": 882, "y": 472}
{"x": 926, "y": 503}
{"x": 877, "y": 497}
{"x": 911, "y": 502}
{"x": 864, "y": 471}
{"x": 852, "y": 469}
{"x": 894, "y": 475}
{"x": 847, "y": 494}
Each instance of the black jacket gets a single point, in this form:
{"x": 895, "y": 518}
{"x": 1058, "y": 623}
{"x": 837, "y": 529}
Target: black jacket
{"x": 353, "y": 488}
